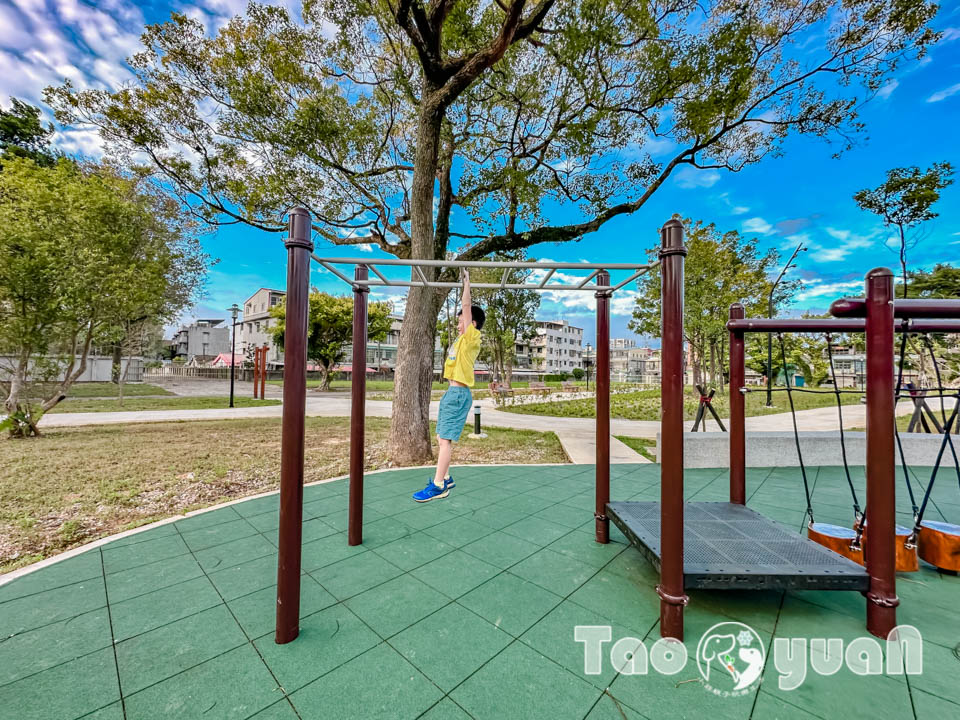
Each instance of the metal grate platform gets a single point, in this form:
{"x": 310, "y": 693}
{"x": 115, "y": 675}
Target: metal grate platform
{"x": 728, "y": 547}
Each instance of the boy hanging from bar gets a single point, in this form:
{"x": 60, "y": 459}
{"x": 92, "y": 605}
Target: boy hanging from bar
{"x": 456, "y": 401}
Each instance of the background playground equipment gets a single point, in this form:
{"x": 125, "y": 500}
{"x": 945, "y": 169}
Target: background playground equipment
{"x": 260, "y": 371}
{"x": 705, "y": 406}
{"x": 299, "y": 254}
{"x": 658, "y": 529}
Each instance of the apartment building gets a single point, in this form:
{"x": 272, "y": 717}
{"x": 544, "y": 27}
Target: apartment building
{"x": 201, "y": 340}
{"x": 558, "y": 347}
{"x": 255, "y": 331}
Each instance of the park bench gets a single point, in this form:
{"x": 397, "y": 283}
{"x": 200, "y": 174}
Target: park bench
{"x": 500, "y": 390}
{"x": 539, "y": 387}
{"x": 568, "y": 387}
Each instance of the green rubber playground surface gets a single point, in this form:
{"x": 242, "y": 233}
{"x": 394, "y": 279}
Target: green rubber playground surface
{"x": 463, "y": 607}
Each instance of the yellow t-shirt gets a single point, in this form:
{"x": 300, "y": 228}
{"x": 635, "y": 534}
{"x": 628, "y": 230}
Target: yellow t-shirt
{"x": 459, "y": 363}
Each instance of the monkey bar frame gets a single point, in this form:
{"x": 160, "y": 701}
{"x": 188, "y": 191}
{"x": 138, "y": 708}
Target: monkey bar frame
{"x": 423, "y": 274}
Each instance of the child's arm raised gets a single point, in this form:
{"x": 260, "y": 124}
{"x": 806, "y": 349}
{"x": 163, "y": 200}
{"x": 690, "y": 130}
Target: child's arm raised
{"x": 466, "y": 309}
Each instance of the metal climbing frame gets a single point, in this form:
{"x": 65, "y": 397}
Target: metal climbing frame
{"x": 422, "y": 274}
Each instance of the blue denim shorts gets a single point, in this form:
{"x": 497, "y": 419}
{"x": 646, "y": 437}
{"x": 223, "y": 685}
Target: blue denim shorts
{"x": 452, "y": 415}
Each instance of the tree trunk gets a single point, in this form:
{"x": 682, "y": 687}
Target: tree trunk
{"x": 117, "y": 363}
{"x": 713, "y": 363}
{"x": 410, "y": 421}
{"x": 903, "y": 259}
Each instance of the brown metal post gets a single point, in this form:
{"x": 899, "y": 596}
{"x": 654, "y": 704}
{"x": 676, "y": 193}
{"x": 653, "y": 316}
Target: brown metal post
{"x": 880, "y": 551}
{"x": 256, "y": 372}
{"x": 670, "y": 589}
{"x": 358, "y": 396}
{"x": 738, "y": 441}
{"x": 263, "y": 366}
{"x": 299, "y": 246}
{"x": 602, "y": 390}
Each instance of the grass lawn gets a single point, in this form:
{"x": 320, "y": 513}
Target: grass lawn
{"x": 72, "y": 405}
{"x": 106, "y": 389}
{"x": 644, "y": 446}
{"x": 645, "y": 405}
{"x": 74, "y": 485}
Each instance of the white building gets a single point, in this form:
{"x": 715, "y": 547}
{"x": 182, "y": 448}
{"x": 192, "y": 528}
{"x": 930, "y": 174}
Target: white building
{"x": 257, "y": 323}
{"x": 202, "y": 340}
{"x": 558, "y": 347}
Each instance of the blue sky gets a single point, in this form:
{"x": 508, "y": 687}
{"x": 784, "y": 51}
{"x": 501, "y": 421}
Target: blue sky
{"x": 805, "y": 195}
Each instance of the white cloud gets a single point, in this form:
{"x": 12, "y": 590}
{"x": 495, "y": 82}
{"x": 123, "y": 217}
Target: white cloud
{"x": 944, "y": 94}
{"x": 757, "y": 225}
{"x": 365, "y": 247}
{"x": 739, "y": 209}
{"x": 819, "y": 289}
{"x": 887, "y": 90}
{"x": 838, "y": 234}
{"x": 689, "y": 178}
{"x": 848, "y": 242}
{"x": 949, "y": 34}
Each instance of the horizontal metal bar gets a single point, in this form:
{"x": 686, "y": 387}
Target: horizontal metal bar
{"x": 486, "y": 264}
{"x": 909, "y": 308}
{"x": 491, "y": 286}
{"x": 834, "y": 325}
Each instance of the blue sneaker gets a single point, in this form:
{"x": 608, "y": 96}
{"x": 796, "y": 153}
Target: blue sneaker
{"x": 432, "y": 492}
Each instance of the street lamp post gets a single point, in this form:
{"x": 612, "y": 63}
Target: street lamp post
{"x": 587, "y": 362}
{"x": 234, "y": 310}
{"x": 773, "y": 288}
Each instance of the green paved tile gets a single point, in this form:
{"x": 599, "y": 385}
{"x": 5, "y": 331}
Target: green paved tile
{"x": 553, "y": 636}
{"x": 565, "y": 515}
{"x": 413, "y": 551}
{"x": 63, "y": 692}
{"x": 205, "y": 519}
{"x": 450, "y": 645}
{"x": 520, "y": 682}
{"x": 770, "y": 707}
{"x": 110, "y": 712}
{"x": 397, "y": 604}
{"x": 400, "y": 691}
{"x": 158, "y": 654}
{"x": 501, "y": 549}
{"x": 45, "y": 647}
{"x": 537, "y": 530}
{"x": 455, "y": 573}
{"x": 233, "y": 685}
{"x": 354, "y": 575}
{"x": 146, "y": 612}
{"x": 124, "y": 557}
{"x": 931, "y": 706}
{"x": 386, "y": 530}
{"x": 446, "y": 709}
{"x": 66, "y": 572}
{"x": 212, "y": 535}
{"x": 941, "y": 672}
{"x": 278, "y": 711}
{"x": 327, "y": 640}
{"x": 234, "y": 552}
{"x": 610, "y": 707}
{"x": 248, "y": 577}
{"x": 630, "y": 601}
{"x": 586, "y": 549}
{"x": 313, "y": 529}
{"x": 327, "y": 551}
{"x": 267, "y": 522}
{"x": 560, "y": 574}
{"x": 526, "y": 503}
{"x": 496, "y": 517}
{"x": 424, "y": 515}
{"x": 267, "y": 503}
{"x": 458, "y": 532}
{"x": 257, "y": 612}
{"x": 510, "y": 602}
{"x": 126, "y": 584}
{"x": 43, "y": 608}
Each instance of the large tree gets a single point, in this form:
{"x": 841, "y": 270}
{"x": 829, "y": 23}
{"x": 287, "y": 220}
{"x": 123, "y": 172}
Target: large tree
{"x": 84, "y": 252}
{"x": 23, "y": 134}
{"x": 720, "y": 269}
{"x": 943, "y": 281}
{"x": 330, "y": 329}
{"x": 510, "y": 314}
{"x": 904, "y": 200}
{"x": 383, "y": 116}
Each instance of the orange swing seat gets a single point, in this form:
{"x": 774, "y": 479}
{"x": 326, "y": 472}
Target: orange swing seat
{"x": 837, "y": 538}
{"x": 906, "y": 558}
{"x": 939, "y": 544}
